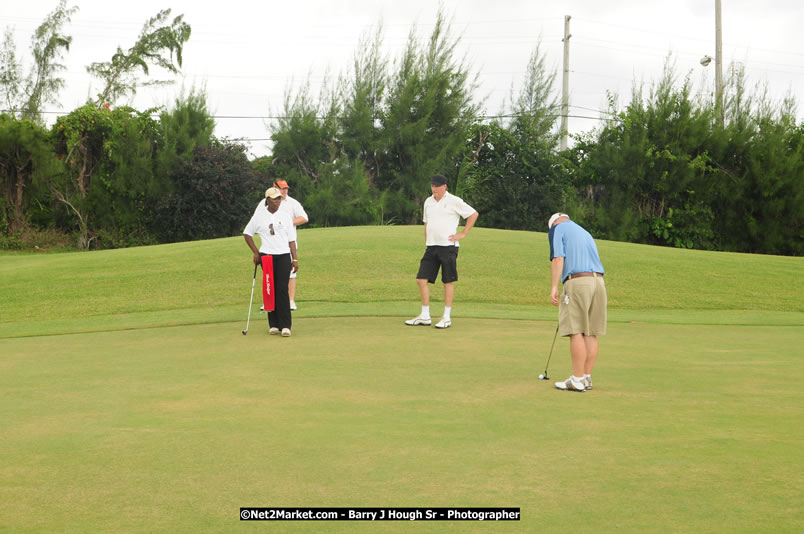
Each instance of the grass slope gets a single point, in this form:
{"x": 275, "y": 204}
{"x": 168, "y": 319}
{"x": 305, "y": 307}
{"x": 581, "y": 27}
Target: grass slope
{"x": 370, "y": 271}
{"x": 155, "y": 414}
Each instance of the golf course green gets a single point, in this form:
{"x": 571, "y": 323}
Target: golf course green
{"x": 131, "y": 402}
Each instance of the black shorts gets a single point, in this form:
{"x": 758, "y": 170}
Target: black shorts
{"x": 434, "y": 258}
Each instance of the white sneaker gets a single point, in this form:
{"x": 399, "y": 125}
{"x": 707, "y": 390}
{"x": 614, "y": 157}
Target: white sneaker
{"x": 587, "y": 383}
{"x": 443, "y": 323}
{"x": 570, "y": 385}
{"x": 419, "y": 321}
{"x": 292, "y": 305}
{"x": 286, "y": 332}
{"x": 273, "y": 331}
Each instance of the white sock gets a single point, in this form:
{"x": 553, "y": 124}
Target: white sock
{"x": 588, "y": 377}
{"x": 577, "y": 379}
{"x": 425, "y": 312}
{"x": 447, "y": 310}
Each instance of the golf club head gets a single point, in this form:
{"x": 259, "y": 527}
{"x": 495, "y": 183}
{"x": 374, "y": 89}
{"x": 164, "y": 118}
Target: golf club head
{"x": 544, "y": 377}
{"x": 244, "y": 332}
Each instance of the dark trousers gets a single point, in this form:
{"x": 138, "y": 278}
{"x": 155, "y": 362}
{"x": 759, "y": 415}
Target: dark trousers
{"x": 280, "y": 317}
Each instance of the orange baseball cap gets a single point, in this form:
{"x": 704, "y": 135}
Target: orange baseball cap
{"x": 281, "y": 184}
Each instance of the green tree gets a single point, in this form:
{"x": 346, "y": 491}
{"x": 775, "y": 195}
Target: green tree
{"x": 305, "y": 139}
{"x": 511, "y": 173}
{"x": 644, "y": 177}
{"x": 213, "y": 194}
{"x": 535, "y": 108}
{"x": 513, "y": 179}
{"x": 26, "y": 161}
{"x": 110, "y": 156}
{"x": 342, "y": 196}
{"x": 187, "y": 125}
{"x": 362, "y": 98}
{"x": 759, "y": 180}
{"x": 428, "y": 113}
{"x": 26, "y": 96}
{"x": 10, "y": 74}
{"x": 264, "y": 174}
{"x": 158, "y": 44}
{"x": 387, "y": 134}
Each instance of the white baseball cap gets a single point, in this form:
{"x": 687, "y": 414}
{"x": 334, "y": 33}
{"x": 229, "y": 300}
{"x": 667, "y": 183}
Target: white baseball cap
{"x": 553, "y": 218}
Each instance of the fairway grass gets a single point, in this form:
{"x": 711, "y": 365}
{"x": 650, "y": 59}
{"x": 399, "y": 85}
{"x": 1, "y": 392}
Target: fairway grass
{"x": 173, "y": 429}
{"x": 131, "y": 402}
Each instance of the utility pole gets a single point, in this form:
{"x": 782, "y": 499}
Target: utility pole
{"x": 718, "y": 62}
{"x": 565, "y": 85}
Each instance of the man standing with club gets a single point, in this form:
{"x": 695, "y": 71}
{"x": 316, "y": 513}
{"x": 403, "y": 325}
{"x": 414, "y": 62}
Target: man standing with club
{"x": 442, "y": 213}
{"x": 277, "y": 255}
{"x": 582, "y": 307}
{"x": 299, "y": 217}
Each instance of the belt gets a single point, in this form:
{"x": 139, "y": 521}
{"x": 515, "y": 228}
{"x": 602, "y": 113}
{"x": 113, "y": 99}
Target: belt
{"x": 578, "y": 275}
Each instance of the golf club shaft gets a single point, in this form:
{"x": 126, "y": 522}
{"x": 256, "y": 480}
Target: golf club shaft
{"x": 251, "y": 300}
{"x": 551, "y": 351}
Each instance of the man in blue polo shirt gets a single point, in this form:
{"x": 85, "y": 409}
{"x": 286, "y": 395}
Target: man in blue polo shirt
{"x": 575, "y": 263}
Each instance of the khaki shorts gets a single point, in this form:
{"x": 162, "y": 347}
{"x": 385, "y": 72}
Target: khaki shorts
{"x": 582, "y": 307}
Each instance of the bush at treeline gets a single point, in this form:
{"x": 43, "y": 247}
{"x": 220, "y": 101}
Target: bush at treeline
{"x": 117, "y": 177}
{"x": 669, "y": 168}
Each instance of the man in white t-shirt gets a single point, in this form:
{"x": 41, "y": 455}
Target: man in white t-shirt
{"x": 278, "y": 239}
{"x": 299, "y": 217}
{"x": 442, "y": 213}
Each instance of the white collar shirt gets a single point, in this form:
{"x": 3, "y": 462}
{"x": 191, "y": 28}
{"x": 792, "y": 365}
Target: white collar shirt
{"x": 276, "y": 230}
{"x": 442, "y": 218}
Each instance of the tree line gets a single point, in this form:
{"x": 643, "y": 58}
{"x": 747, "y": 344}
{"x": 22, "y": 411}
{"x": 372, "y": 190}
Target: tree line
{"x": 111, "y": 175}
{"x": 669, "y": 168}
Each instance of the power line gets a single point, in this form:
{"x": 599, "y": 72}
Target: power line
{"x": 282, "y": 117}
{"x": 592, "y": 109}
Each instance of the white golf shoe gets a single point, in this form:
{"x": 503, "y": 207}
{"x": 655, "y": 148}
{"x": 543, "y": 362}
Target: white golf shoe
{"x": 286, "y": 332}
{"x": 419, "y": 321}
{"x": 273, "y": 331}
{"x": 443, "y": 323}
{"x": 571, "y": 385}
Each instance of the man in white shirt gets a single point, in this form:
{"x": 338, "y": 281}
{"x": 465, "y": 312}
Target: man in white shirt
{"x": 278, "y": 240}
{"x": 299, "y": 217}
{"x": 442, "y": 213}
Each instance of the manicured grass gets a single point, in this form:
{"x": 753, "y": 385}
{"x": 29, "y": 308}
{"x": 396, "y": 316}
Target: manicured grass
{"x": 372, "y": 269}
{"x": 131, "y": 402}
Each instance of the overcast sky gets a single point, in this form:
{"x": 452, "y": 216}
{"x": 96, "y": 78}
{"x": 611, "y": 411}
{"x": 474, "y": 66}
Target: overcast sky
{"x": 247, "y": 53}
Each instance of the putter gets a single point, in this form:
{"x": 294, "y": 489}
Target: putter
{"x": 544, "y": 376}
{"x": 251, "y": 301}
